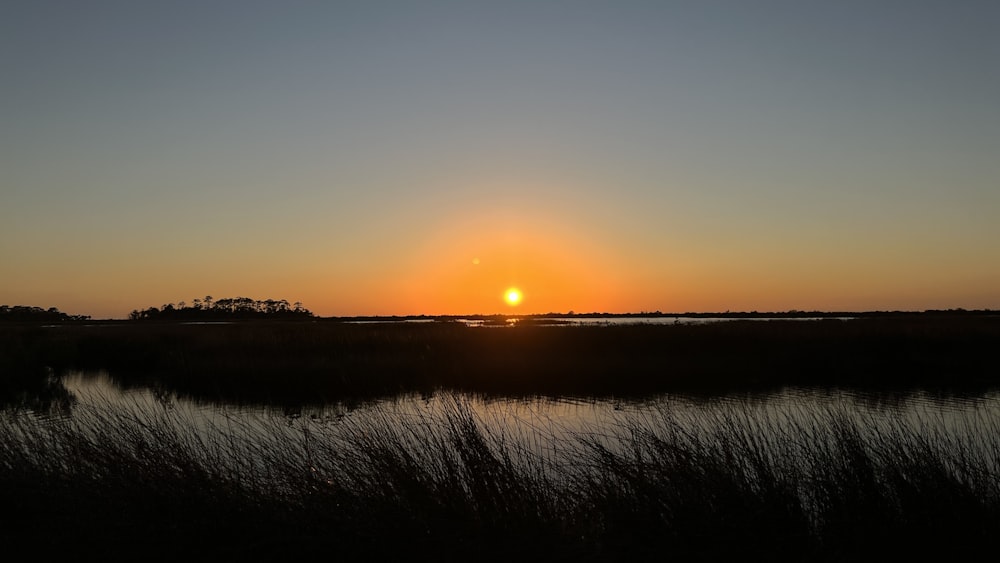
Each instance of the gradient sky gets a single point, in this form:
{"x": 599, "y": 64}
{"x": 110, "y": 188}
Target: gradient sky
{"x": 420, "y": 157}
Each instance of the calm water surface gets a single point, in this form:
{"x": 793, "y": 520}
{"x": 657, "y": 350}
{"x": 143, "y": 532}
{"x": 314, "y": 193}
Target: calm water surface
{"x": 547, "y": 425}
{"x": 620, "y": 321}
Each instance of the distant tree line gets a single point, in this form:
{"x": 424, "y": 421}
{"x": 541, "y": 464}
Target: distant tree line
{"x": 226, "y": 308}
{"x": 17, "y": 313}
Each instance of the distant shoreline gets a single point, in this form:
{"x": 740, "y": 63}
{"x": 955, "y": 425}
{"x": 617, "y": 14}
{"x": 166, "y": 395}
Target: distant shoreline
{"x": 793, "y": 314}
{"x": 658, "y": 314}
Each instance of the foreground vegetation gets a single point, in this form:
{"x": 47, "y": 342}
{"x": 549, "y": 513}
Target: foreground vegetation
{"x": 298, "y": 362}
{"x": 720, "y": 484}
{"x": 164, "y": 482}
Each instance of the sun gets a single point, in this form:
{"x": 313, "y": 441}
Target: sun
{"x": 513, "y": 296}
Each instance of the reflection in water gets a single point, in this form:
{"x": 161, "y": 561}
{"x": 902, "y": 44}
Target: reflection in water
{"x": 825, "y": 456}
{"x": 623, "y": 321}
{"x": 556, "y": 429}
{"x": 40, "y": 392}
{"x": 816, "y": 470}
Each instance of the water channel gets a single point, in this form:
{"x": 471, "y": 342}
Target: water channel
{"x": 554, "y": 428}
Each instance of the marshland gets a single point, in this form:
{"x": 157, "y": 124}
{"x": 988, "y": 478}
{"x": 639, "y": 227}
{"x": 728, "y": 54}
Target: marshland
{"x": 828, "y": 439}
{"x": 592, "y": 280}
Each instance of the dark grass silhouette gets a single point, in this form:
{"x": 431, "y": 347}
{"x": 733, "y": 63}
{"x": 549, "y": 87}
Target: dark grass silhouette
{"x": 314, "y": 362}
{"x": 153, "y": 484}
{"x": 123, "y": 483}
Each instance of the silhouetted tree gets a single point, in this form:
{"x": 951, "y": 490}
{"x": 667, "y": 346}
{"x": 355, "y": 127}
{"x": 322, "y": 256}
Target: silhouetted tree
{"x": 24, "y": 313}
{"x": 223, "y": 308}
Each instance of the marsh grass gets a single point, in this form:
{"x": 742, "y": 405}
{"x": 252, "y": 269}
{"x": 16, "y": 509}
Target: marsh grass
{"x": 318, "y": 362}
{"x": 163, "y": 480}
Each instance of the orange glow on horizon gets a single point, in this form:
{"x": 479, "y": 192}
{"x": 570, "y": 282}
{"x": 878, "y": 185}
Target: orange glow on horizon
{"x": 464, "y": 266}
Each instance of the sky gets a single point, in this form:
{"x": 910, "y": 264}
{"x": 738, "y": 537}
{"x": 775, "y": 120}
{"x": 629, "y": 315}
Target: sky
{"x": 423, "y": 157}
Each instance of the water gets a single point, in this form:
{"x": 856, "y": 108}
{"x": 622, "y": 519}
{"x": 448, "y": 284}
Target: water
{"x": 681, "y": 320}
{"x": 550, "y": 427}
{"x": 557, "y": 444}
{"x": 784, "y": 458}
{"x": 596, "y": 321}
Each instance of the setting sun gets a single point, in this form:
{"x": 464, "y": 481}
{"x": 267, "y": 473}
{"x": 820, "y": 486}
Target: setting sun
{"x": 513, "y": 296}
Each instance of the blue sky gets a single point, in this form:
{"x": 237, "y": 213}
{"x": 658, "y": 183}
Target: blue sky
{"x": 610, "y": 155}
